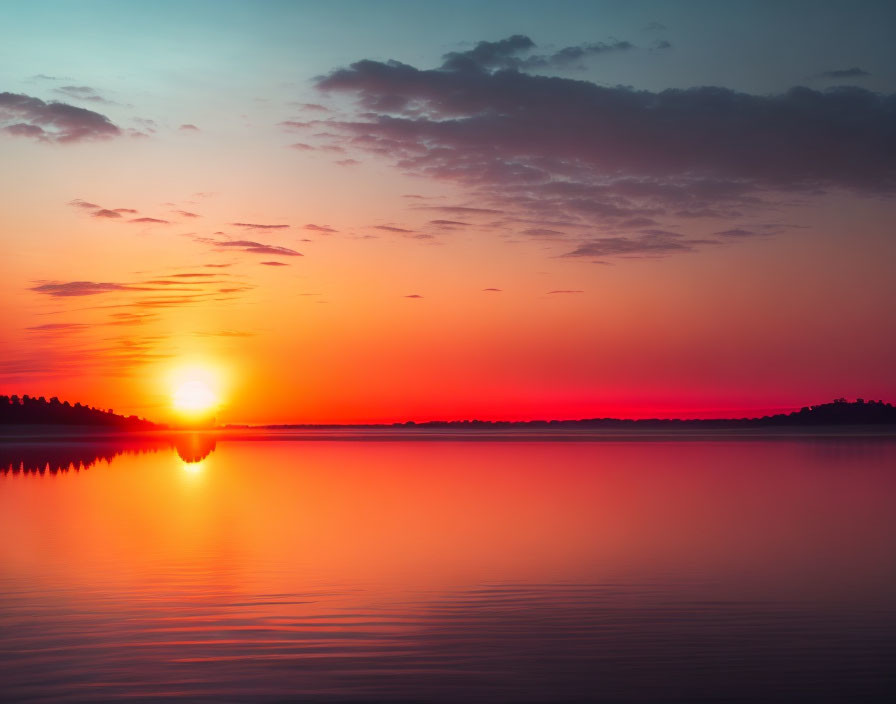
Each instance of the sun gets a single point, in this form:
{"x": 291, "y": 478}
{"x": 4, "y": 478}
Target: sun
{"x": 195, "y": 390}
{"x": 194, "y": 396}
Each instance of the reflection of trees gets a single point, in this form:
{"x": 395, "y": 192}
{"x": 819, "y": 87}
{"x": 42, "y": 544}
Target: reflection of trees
{"x": 194, "y": 446}
{"x": 55, "y": 456}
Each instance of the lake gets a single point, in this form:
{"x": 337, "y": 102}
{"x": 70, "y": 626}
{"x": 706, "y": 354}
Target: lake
{"x": 279, "y": 567}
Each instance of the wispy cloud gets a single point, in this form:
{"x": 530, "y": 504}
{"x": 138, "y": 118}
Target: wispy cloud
{"x": 151, "y": 221}
{"x": 63, "y": 289}
{"x": 854, "y": 72}
{"x": 257, "y": 226}
{"x": 325, "y": 229}
{"x": 254, "y": 247}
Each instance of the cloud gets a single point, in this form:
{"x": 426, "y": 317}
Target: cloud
{"x": 81, "y": 93}
{"x": 346, "y": 162}
{"x": 547, "y": 147}
{"x": 78, "y": 288}
{"x": 499, "y": 54}
{"x": 274, "y": 263}
{"x": 58, "y": 327}
{"x": 449, "y": 223}
{"x": 78, "y": 203}
{"x": 188, "y": 128}
{"x": 185, "y": 213}
{"x": 413, "y": 295}
{"x": 506, "y": 54}
{"x": 297, "y": 124}
{"x": 125, "y": 210}
{"x": 256, "y": 226}
{"x": 562, "y": 290}
{"x": 655, "y": 243}
{"x": 736, "y": 232}
{"x": 390, "y": 228}
{"x": 156, "y": 221}
{"x": 24, "y": 116}
{"x": 256, "y": 247}
{"x": 461, "y": 209}
{"x": 854, "y": 72}
{"x": 494, "y": 290}
{"x": 326, "y": 229}
{"x": 301, "y": 146}
{"x": 543, "y": 232}
{"x": 104, "y": 213}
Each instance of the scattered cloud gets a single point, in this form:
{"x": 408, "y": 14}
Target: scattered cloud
{"x": 513, "y": 53}
{"x": 256, "y": 247}
{"x": 151, "y": 221}
{"x": 449, "y": 223}
{"x": 25, "y": 116}
{"x": 78, "y": 203}
{"x": 493, "y": 290}
{"x": 543, "y": 232}
{"x": 461, "y": 209}
{"x": 413, "y": 295}
{"x": 325, "y": 229}
{"x": 188, "y": 128}
{"x": 736, "y": 232}
{"x": 390, "y": 228}
{"x": 274, "y": 263}
{"x": 58, "y": 327}
{"x": 185, "y": 213}
{"x": 256, "y": 226}
{"x": 656, "y": 243}
{"x": 104, "y": 213}
{"x": 854, "y": 72}
{"x": 301, "y": 146}
{"x": 562, "y": 290}
{"x": 59, "y": 289}
{"x": 81, "y": 93}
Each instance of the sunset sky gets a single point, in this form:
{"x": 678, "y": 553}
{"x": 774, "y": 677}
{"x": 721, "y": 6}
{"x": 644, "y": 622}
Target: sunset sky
{"x": 382, "y": 211}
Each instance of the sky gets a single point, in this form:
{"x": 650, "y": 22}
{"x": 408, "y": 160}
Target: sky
{"x": 377, "y": 212}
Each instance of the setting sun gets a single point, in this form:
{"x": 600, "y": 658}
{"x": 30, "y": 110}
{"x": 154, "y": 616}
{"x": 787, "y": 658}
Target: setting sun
{"x": 195, "y": 390}
{"x": 194, "y": 396}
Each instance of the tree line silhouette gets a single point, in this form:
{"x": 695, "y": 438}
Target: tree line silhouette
{"x": 28, "y": 410}
{"x": 837, "y": 412}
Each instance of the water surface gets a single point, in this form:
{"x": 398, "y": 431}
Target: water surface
{"x": 617, "y": 569}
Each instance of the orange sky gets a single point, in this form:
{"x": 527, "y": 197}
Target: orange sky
{"x": 782, "y": 297}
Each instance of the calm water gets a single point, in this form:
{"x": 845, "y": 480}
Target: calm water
{"x": 619, "y": 570}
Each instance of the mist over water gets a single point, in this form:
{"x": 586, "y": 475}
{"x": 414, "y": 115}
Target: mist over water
{"x": 270, "y": 569}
